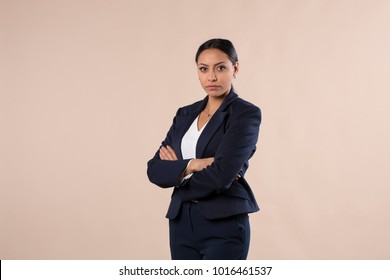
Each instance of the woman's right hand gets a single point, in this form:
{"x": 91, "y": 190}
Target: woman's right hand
{"x": 198, "y": 164}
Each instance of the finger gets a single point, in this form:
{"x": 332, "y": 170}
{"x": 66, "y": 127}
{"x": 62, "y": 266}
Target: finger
{"x": 172, "y": 151}
{"x": 167, "y": 153}
{"x": 209, "y": 161}
{"x": 206, "y": 163}
{"x": 163, "y": 155}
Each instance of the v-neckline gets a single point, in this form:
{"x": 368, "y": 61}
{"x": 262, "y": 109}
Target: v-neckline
{"x": 197, "y": 124}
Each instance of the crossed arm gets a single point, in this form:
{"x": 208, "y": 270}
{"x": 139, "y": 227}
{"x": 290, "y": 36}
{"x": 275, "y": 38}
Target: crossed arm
{"x": 195, "y": 165}
{"x": 210, "y": 175}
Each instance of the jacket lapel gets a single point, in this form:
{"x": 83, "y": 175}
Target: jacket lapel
{"x": 185, "y": 119}
{"x": 183, "y": 122}
{"x": 208, "y": 132}
{"x": 214, "y": 123}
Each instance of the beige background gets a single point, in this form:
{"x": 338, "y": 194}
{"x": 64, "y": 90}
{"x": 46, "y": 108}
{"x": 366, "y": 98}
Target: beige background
{"x": 89, "y": 89}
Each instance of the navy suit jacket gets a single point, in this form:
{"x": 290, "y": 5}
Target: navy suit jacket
{"x": 230, "y": 137}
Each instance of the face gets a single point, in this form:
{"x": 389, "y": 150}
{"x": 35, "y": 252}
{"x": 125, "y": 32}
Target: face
{"x": 215, "y": 72}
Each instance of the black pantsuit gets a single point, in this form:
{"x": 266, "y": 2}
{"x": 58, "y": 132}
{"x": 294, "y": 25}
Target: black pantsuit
{"x": 216, "y": 226}
{"x": 193, "y": 237}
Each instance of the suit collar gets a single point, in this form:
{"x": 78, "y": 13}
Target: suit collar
{"x": 214, "y": 123}
{"x": 230, "y": 97}
{"x": 212, "y": 126}
{"x": 184, "y": 121}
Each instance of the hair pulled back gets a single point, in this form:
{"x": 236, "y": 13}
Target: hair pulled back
{"x": 221, "y": 44}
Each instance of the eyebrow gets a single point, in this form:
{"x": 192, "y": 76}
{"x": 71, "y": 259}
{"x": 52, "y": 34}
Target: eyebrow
{"x": 214, "y": 64}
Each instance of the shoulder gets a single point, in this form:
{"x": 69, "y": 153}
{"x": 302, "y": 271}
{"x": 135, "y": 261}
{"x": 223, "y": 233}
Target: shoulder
{"x": 241, "y": 106}
{"x": 190, "y": 109}
{"x": 242, "y": 113}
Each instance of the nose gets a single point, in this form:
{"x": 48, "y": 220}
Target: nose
{"x": 212, "y": 77}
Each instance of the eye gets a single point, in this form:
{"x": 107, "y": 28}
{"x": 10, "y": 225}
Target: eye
{"x": 221, "y": 68}
{"x": 202, "y": 69}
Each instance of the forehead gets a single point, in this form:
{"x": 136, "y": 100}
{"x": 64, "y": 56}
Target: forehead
{"x": 212, "y": 56}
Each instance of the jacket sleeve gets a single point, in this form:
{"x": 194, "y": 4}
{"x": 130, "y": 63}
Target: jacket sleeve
{"x": 237, "y": 146}
{"x": 166, "y": 173}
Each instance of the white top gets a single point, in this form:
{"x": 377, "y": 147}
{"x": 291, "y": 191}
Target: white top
{"x": 190, "y": 139}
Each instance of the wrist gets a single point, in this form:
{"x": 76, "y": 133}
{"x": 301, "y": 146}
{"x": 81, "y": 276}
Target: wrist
{"x": 189, "y": 169}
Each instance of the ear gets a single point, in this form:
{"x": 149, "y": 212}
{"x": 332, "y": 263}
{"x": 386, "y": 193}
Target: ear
{"x": 236, "y": 66}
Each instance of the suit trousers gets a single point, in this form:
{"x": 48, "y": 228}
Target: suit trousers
{"x": 193, "y": 237}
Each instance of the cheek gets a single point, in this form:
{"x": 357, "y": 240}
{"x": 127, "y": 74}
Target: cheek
{"x": 226, "y": 78}
{"x": 202, "y": 79}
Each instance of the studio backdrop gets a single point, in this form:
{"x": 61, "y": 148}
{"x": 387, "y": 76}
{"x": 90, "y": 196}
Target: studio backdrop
{"x": 88, "y": 90}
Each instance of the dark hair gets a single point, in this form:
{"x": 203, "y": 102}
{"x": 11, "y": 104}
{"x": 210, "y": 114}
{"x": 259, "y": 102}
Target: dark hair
{"x": 221, "y": 44}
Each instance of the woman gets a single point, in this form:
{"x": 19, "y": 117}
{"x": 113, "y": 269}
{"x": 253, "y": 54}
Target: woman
{"x": 204, "y": 158}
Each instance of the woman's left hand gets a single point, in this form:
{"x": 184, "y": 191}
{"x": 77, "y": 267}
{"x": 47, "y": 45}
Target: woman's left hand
{"x": 167, "y": 153}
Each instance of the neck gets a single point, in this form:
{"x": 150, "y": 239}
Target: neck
{"x": 213, "y": 103}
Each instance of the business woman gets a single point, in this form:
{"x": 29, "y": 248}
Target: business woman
{"x": 204, "y": 158}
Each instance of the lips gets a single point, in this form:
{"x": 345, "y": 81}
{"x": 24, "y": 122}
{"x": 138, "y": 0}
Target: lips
{"x": 213, "y": 87}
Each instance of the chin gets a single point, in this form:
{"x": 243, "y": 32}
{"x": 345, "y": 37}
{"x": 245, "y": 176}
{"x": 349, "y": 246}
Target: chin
{"x": 219, "y": 93}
